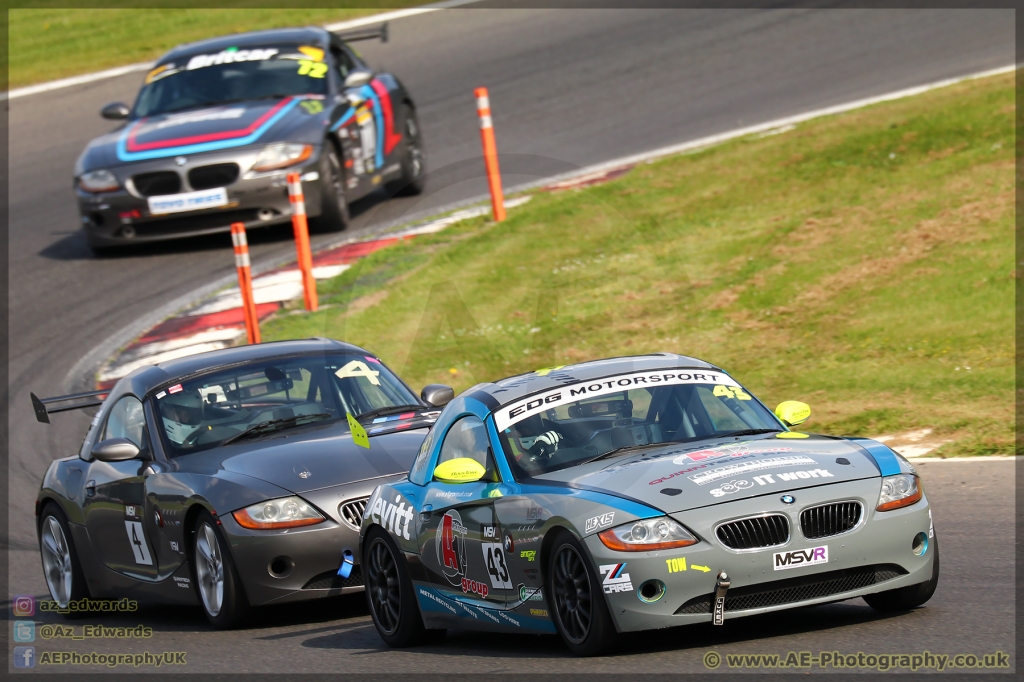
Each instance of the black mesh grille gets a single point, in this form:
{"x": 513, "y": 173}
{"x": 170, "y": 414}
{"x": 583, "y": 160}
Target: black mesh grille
{"x": 352, "y": 511}
{"x": 156, "y": 184}
{"x": 830, "y": 519}
{"x": 768, "y": 530}
{"x": 330, "y": 580}
{"x": 217, "y": 175}
{"x": 796, "y": 590}
{"x": 207, "y": 220}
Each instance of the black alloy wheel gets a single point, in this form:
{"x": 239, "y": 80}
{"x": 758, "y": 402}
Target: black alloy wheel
{"x": 580, "y": 612}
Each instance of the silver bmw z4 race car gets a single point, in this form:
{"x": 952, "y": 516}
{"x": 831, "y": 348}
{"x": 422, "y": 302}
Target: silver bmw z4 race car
{"x": 631, "y": 494}
{"x": 218, "y": 124}
{"x": 229, "y": 479}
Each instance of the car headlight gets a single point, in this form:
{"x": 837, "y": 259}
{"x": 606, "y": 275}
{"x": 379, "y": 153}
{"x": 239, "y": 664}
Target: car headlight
{"x": 647, "y": 535}
{"x": 98, "y": 181}
{"x": 284, "y": 512}
{"x": 898, "y": 491}
{"x": 282, "y": 155}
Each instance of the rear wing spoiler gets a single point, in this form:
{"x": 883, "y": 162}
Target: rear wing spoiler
{"x": 366, "y": 34}
{"x": 79, "y": 401}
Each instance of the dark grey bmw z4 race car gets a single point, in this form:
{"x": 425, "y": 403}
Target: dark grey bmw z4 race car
{"x": 631, "y": 494}
{"x": 218, "y": 124}
{"x": 228, "y": 479}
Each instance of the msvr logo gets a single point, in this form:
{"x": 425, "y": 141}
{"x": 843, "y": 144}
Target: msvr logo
{"x": 800, "y": 557}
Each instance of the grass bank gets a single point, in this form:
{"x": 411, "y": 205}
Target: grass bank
{"x": 47, "y": 44}
{"x": 863, "y": 263}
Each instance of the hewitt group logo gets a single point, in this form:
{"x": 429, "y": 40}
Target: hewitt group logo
{"x": 24, "y": 605}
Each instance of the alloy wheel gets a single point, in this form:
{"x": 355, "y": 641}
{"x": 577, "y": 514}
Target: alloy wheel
{"x": 412, "y": 137}
{"x": 383, "y": 585}
{"x": 209, "y": 569}
{"x": 573, "y": 598}
{"x": 57, "y": 561}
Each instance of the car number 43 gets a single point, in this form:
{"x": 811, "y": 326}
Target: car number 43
{"x": 494, "y": 558}
{"x": 138, "y": 542}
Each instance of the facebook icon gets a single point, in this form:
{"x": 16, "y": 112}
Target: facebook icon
{"x": 24, "y": 657}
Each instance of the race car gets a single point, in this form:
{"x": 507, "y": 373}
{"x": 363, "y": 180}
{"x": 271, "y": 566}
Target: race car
{"x": 631, "y": 494}
{"x": 219, "y": 123}
{"x": 229, "y": 479}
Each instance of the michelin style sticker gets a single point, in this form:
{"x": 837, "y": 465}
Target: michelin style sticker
{"x": 527, "y": 407}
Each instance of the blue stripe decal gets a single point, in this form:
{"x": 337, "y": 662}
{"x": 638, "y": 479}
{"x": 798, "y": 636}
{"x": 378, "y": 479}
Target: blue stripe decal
{"x": 883, "y": 457}
{"x": 368, "y": 93}
{"x": 637, "y": 509}
{"x": 124, "y": 155}
{"x": 344, "y": 119}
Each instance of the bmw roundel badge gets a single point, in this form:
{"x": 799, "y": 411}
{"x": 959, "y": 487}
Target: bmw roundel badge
{"x": 788, "y": 499}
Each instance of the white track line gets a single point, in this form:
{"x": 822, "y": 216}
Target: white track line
{"x": 142, "y": 66}
{"x": 985, "y": 458}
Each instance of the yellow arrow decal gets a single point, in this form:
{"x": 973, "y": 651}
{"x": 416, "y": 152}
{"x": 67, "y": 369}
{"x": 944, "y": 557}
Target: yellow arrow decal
{"x": 695, "y": 567}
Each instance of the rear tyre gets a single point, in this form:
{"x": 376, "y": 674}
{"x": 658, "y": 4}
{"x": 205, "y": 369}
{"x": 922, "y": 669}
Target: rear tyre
{"x": 906, "y": 598}
{"x": 414, "y": 167}
{"x": 389, "y": 594}
{"x": 217, "y": 584}
{"x": 64, "y": 577}
{"x": 580, "y": 612}
{"x": 333, "y": 204}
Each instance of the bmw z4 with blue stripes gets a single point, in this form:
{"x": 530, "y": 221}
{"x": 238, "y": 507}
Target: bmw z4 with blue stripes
{"x": 218, "y": 125}
{"x": 631, "y": 494}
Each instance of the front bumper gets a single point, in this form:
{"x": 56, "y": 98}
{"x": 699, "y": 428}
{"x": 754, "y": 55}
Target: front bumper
{"x": 876, "y": 556}
{"x": 123, "y": 217}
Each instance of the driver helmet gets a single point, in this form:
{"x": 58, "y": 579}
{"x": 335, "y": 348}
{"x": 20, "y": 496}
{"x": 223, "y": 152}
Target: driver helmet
{"x": 181, "y": 412}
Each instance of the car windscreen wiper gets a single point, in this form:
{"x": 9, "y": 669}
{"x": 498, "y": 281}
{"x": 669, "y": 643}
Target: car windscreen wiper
{"x": 391, "y": 409}
{"x": 745, "y": 432}
{"x": 275, "y": 425}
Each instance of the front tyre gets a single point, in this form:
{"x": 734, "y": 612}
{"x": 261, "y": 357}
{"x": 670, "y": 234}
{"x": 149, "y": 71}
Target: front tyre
{"x": 389, "y": 594}
{"x": 216, "y": 581}
{"x": 906, "y": 598}
{"x": 334, "y": 215}
{"x": 64, "y": 577}
{"x": 580, "y": 613}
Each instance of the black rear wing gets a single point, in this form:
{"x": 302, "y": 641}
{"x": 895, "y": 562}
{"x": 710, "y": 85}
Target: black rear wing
{"x": 79, "y": 401}
{"x": 366, "y": 34}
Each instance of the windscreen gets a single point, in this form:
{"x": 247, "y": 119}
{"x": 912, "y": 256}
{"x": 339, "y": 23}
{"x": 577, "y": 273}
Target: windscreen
{"x": 232, "y": 75}
{"x": 204, "y": 412}
{"x": 568, "y": 426}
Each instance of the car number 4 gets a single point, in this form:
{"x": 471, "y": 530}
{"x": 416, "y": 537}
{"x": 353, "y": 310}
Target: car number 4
{"x": 137, "y": 539}
{"x": 494, "y": 557}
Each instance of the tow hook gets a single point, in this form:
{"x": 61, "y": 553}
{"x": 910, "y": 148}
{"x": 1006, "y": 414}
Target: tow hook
{"x": 721, "y": 587}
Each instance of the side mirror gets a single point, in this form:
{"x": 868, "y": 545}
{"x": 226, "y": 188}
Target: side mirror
{"x": 115, "y": 111}
{"x": 357, "y": 78}
{"x": 459, "y": 470}
{"x": 437, "y": 395}
{"x": 793, "y": 412}
{"x": 115, "y": 450}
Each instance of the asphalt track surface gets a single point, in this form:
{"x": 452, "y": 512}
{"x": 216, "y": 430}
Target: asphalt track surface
{"x": 568, "y": 88}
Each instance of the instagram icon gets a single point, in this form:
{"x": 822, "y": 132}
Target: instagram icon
{"x": 24, "y": 605}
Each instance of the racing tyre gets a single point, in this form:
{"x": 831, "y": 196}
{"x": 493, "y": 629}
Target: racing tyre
{"x": 906, "y": 598}
{"x": 218, "y": 586}
{"x": 414, "y": 167}
{"x": 333, "y": 204}
{"x": 64, "y": 577}
{"x": 577, "y": 600}
{"x": 390, "y": 596}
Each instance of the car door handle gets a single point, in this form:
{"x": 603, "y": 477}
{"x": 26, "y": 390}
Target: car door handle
{"x": 90, "y": 488}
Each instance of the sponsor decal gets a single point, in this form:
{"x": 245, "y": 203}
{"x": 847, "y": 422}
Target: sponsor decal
{"x": 451, "y": 547}
{"x": 528, "y": 554}
{"x": 229, "y": 56}
{"x": 451, "y": 495}
{"x": 494, "y": 560}
{"x": 183, "y": 119}
{"x": 490, "y": 531}
{"x": 931, "y": 526}
{"x": 394, "y": 517}
{"x": 530, "y": 593}
{"x": 731, "y": 450}
{"x": 602, "y": 521}
{"x": 730, "y": 470}
{"x": 521, "y": 409}
{"x": 804, "y": 474}
{"x": 615, "y": 578}
{"x": 473, "y": 587}
{"x": 431, "y": 596}
{"x": 188, "y": 201}
{"x": 176, "y": 388}
{"x": 731, "y": 487}
{"x": 540, "y": 613}
{"x": 799, "y": 558}
{"x": 676, "y": 565}
{"x": 182, "y": 582}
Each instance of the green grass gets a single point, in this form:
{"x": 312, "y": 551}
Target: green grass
{"x": 46, "y": 44}
{"x": 861, "y": 263}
